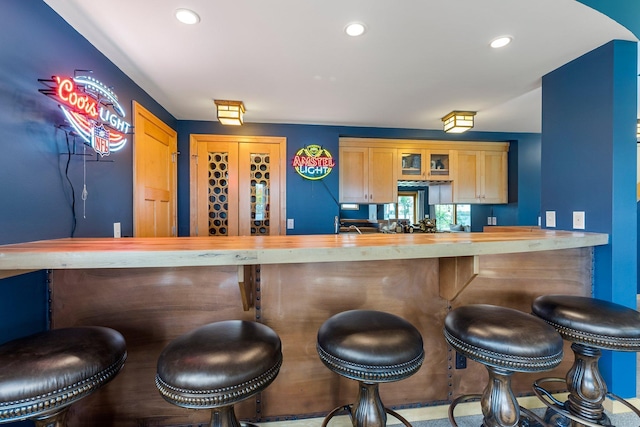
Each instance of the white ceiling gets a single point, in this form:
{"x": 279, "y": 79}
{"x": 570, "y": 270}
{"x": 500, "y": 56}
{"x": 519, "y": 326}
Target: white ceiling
{"x": 290, "y": 61}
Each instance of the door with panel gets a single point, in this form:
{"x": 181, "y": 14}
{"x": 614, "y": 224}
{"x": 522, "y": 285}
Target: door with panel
{"x": 154, "y": 175}
{"x": 237, "y": 186}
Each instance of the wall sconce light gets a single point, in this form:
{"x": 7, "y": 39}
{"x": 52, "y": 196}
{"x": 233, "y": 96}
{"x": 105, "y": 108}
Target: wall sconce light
{"x": 458, "y": 121}
{"x": 230, "y": 112}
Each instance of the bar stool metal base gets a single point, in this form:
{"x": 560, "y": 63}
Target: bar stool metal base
{"x": 587, "y": 392}
{"x": 368, "y": 411}
{"x": 499, "y": 404}
{"x": 558, "y": 413}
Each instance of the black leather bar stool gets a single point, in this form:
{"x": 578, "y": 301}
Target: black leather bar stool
{"x": 217, "y": 365}
{"x": 590, "y": 325}
{"x": 43, "y": 374}
{"x": 370, "y": 347}
{"x": 505, "y": 341}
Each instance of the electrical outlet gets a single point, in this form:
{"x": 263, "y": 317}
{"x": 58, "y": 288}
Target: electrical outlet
{"x": 578, "y": 220}
{"x": 289, "y": 223}
{"x": 116, "y": 230}
{"x": 489, "y": 220}
{"x": 494, "y": 220}
{"x": 461, "y": 361}
{"x": 550, "y": 218}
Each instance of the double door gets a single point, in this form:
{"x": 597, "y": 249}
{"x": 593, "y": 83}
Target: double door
{"x": 237, "y": 186}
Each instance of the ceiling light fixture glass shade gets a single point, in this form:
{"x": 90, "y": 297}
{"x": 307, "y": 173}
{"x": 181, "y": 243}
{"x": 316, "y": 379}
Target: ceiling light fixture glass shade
{"x": 230, "y": 112}
{"x": 187, "y": 16}
{"x": 355, "y": 29}
{"x": 458, "y": 121}
{"x": 501, "y": 41}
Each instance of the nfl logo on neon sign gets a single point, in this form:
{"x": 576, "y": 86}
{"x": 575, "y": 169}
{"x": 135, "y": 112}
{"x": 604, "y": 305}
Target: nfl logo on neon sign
{"x": 100, "y": 140}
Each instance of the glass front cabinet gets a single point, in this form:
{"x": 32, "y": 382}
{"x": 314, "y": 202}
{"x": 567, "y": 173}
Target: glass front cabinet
{"x": 424, "y": 164}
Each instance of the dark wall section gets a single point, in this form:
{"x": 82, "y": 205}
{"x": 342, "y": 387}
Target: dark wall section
{"x": 589, "y": 164}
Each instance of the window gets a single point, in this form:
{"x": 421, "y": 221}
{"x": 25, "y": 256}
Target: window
{"x": 446, "y": 215}
{"x": 409, "y": 207}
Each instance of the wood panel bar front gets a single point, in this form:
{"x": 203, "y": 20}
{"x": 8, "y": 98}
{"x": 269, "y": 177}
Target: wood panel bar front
{"x": 153, "y": 306}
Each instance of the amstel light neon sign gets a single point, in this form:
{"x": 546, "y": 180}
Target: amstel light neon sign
{"x": 92, "y": 109}
{"x": 313, "y": 162}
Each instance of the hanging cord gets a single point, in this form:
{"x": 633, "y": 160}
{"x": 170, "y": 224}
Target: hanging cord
{"x": 84, "y": 182}
{"x": 73, "y": 193}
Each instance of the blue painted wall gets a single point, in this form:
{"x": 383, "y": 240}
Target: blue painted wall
{"x": 589, "y": 164}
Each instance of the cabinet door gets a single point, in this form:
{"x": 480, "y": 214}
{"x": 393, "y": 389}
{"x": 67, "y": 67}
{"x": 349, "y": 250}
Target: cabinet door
{"x": 353, "y": 166}
{"x": 467, "y": 177}
{"x": 438, "y": 164}
{"x": 383, "y": 175}
{"x": 494, "y": 177}
{"x": 412, "y": 164}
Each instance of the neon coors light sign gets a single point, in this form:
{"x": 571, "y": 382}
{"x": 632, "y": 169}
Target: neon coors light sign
{"x": 92, "y": 109}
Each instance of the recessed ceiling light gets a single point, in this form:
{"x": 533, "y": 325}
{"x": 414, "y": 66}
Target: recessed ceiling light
{"x": 187, "y": 16}
{"x": 501, "y": 41}
{"x": 355, "y": 29}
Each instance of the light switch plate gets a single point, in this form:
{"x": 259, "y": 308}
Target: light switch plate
{"x": 117, "y": 232}
{"x": 578, "y": 220}
{"x": 550, "y": 218}
{"x": 289, "y": 223}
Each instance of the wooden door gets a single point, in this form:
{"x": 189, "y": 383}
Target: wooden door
{"x": 154, "y": 175}
{"x": 466, "y": 182}
{"x": 259, "y": 198}
{"x": 237, "y": 185}
{"x": 353, "y": 166}
{"x": 383, "y": 175}
{"x": 216, "y": 186}
{"x": 494, "y": 173}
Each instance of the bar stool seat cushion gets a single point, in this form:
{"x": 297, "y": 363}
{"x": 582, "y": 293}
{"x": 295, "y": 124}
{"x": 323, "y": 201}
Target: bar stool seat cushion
{"x": 590, "y": 321}
{"x": 42, "y": 373}
{"x": 370, "y": 346}
{"x": 219, "y": 364}
{"x": 503, "y": 338}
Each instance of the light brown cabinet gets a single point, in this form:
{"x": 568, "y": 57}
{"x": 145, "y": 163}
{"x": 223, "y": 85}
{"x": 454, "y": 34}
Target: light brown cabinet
{"x": 368, "y": 175}
{"x": 480, "y": 177}
{"x": 424, "y": 164}
{"x": 458, "y": 172}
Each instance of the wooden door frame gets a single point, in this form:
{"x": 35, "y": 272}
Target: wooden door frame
{"x": 195, "y": 139}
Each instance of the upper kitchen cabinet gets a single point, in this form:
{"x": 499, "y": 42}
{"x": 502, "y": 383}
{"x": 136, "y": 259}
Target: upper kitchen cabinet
{"x": 424, "y": 164}
{"x": 480, "y": 176}
{"x": 367, "y": 174}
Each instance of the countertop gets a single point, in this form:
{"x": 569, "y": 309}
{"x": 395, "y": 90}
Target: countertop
{"x": 75, "y": 253}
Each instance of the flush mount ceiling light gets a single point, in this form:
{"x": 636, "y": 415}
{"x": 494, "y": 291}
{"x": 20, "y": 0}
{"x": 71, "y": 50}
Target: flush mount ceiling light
{"x": 187, "y": 16}
{"x": 458, "y": 121}
{"x": 230, "y": 112}
{"x": 501, "y": 41}
{"x": 355, "y": 29}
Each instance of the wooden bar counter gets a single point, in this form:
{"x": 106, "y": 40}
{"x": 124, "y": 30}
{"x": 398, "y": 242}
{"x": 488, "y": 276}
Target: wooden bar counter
{"x": 155, "y": 289}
